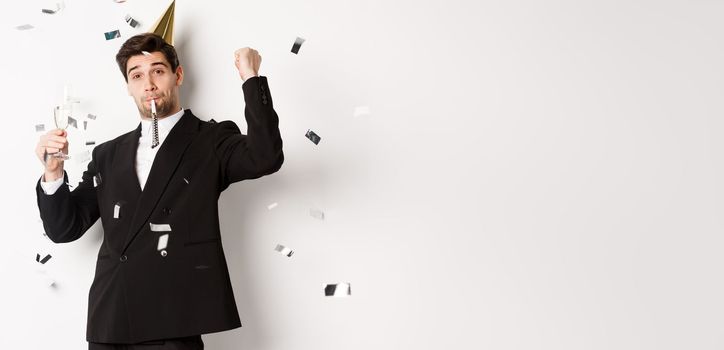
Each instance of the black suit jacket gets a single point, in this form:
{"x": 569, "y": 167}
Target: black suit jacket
{"x": 140, "y": 293}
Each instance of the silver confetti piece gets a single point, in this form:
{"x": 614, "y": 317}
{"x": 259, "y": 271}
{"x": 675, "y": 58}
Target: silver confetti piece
{"x": 338, "y": 290}
{"x": 40, "y": 128}
{"x": 297, "y": 45}
{"x": 44, "y": 260}
{"x": 58, "y": 6}
{"x": 45, "y": 279}
{"x": 146, "y": 53}
{"x": 160, "y": 227}
{"x": 91, "y": 116}
{"x": 132, "y": 22}
{"x": 97, "y": 180}
{"x": 284, "y": 250}
{"x": 24, "y": 27}
{"x": 162, "y": 242}
{"x": 85, "y": 125}
{"x": 90, "y": 143}
{"x": 272, "y": 206}
{"x": 112, "y": 34}
{"x": 117, "y": 211}
{"x": 82, "y": 157}
{"x": 72, "y": 122}
{"x": 317, "y": 214}
{"x": 313, "y": 137}
{"x": 187, "y": 181}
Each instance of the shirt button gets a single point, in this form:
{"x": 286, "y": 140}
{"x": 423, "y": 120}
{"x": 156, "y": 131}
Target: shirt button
{"x": 123, "y": 258}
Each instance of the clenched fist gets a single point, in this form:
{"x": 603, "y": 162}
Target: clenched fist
{"x": 247, "y": 61}
{"x": 52, "y": 142}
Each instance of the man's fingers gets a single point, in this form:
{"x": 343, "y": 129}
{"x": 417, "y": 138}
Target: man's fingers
{"x": 61, "y": 139}
{"x": 59, "y": 132}
{"x": 56, "y": 145}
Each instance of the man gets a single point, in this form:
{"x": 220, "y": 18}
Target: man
{"x": 161, "y": 278}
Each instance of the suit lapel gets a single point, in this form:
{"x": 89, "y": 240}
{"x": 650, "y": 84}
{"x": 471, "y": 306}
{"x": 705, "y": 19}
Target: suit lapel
{"x": 164, "y": 165}
{"x": 125, "y": 164}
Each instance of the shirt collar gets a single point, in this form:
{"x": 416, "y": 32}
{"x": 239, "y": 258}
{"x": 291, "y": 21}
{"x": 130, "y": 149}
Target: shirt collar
{"x": 164, "y": 125}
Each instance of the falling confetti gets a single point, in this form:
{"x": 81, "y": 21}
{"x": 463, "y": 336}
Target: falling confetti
{"x": 117, "y": 211}
{"x": 44, "y": 260}
{"x": 313, "y": 137}
{"x": 317, "y": 214}
{"x": 297, "y": 45}
{"x": 162, "y": 242}
{"x": 338, "y": 290}
{"x": 112, "y": 34}
{"x": 58, "y": 6}
{"x": 284, "y": 250}
{"x": 82, "y": 156}
{"x": 132, "y": 22}
{"x": 160, "y": 227}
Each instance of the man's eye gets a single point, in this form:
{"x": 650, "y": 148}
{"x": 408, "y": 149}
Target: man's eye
{"x": 136, "y": 76}
{"x": 159, "y": 71}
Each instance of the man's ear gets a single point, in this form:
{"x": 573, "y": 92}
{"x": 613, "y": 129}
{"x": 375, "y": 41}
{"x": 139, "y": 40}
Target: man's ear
{"x": 179, "y": 75}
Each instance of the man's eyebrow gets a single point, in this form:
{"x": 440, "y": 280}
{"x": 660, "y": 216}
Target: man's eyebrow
{"x": 152, "y": 64}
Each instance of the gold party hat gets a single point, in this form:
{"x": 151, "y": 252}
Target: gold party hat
{"x": 164, "y": 25}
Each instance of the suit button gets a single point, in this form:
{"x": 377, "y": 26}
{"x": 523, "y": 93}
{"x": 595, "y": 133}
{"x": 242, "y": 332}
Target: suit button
{"x": 123, "y": 258}
{"x": 166, "y": 211}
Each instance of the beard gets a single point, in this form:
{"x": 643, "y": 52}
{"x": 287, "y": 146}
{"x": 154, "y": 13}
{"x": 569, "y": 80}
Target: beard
{"x": 163, "y": 109}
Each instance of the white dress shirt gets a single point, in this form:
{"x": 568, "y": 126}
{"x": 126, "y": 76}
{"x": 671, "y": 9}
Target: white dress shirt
{"x": 144, "y": 156}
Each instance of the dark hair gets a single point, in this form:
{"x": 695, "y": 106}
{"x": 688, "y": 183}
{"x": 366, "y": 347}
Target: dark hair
{"x": 148, "y": 42}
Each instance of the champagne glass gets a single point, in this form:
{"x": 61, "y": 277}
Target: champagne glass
{"x": 61, "y": 115}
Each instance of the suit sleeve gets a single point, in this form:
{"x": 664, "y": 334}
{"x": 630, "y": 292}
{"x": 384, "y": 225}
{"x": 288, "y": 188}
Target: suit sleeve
{"x": 259, "y": 152}
{"x": 68, "y": 215}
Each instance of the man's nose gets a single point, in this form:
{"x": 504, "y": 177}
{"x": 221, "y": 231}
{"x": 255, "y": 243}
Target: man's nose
{"x": 148, "y": 85}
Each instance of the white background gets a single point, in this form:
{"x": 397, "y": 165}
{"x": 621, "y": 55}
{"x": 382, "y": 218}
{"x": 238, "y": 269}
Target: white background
{"x": 532, "y": 175}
